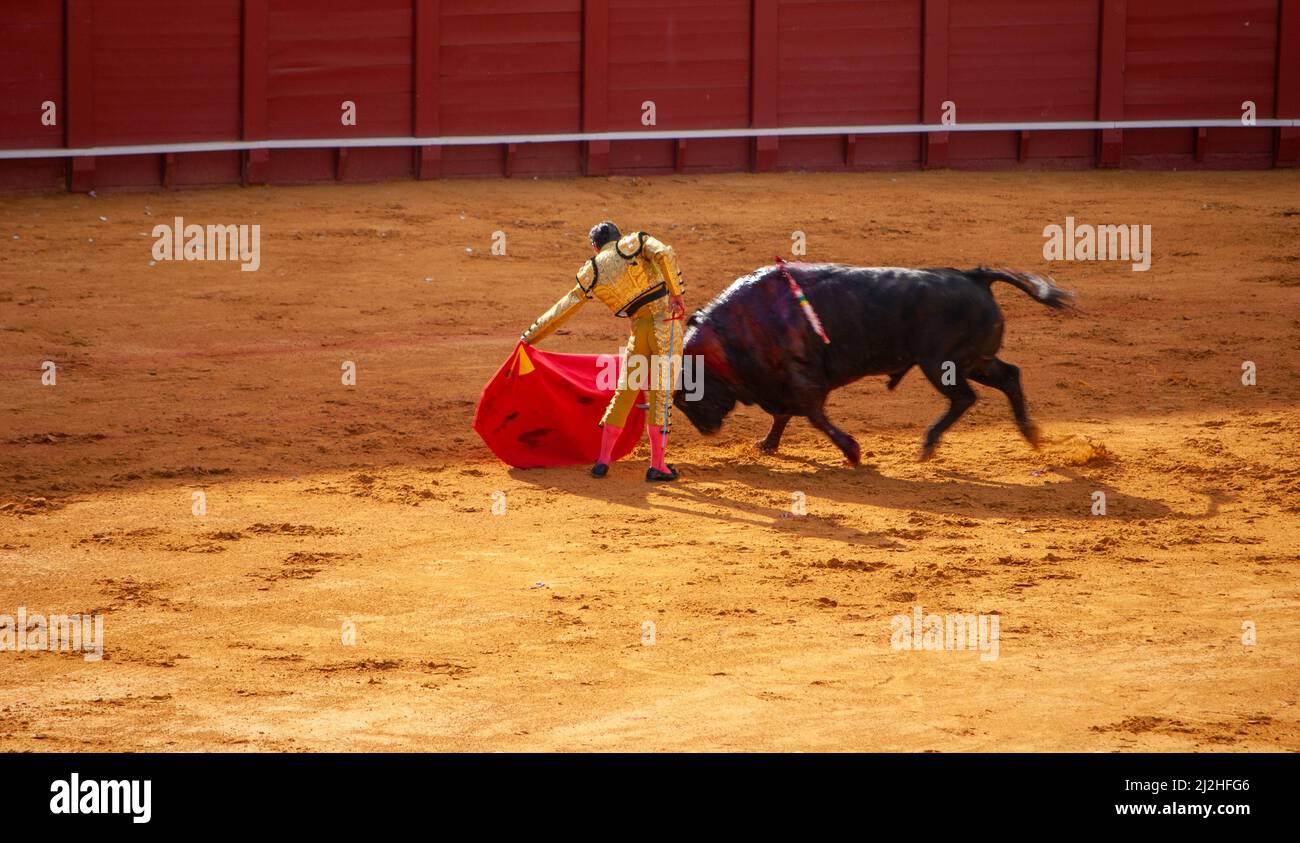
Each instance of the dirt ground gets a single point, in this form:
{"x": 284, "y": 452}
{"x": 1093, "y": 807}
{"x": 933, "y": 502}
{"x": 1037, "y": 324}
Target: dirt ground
{"x": 371, "y": 505}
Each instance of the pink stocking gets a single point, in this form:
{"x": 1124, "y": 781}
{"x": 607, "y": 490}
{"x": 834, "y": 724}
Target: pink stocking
{"x": 608, "y": 436}
{"x": 657, "y": 445}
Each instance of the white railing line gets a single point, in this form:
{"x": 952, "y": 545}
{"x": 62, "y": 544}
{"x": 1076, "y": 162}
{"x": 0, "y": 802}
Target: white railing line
{"x": 652, "y": 134}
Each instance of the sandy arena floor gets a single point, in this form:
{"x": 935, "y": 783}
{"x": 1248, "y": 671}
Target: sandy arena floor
{"x": 372, "y": 505}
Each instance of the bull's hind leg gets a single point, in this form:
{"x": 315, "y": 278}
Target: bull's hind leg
{"x": 772, "y": 441}
{"x": 960, "y": 398}
{"x": 845, "y": 442}
{"x": 896, "y": 378}
{"x": 1003, "y": 376}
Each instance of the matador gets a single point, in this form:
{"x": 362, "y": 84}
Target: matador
{"x": 635, "y": 276}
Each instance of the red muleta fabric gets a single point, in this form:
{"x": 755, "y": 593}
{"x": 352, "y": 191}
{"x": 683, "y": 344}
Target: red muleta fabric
{"x": 551, "y": 414}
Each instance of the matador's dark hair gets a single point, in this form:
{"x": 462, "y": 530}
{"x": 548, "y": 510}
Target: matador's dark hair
{"x": 604, "y": 232}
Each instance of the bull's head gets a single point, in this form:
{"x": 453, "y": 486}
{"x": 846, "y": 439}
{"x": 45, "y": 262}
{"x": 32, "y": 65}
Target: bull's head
{"x": 708, "y": 406}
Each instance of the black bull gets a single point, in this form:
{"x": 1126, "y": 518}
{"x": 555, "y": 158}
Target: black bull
{"x": 759, "y": 348}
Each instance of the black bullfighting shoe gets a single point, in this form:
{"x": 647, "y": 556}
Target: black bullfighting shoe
{"x": 654, "y": 475}
{"x": 600, "y": 469}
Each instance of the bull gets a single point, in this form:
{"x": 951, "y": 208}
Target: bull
{"x": 758, "y": 347}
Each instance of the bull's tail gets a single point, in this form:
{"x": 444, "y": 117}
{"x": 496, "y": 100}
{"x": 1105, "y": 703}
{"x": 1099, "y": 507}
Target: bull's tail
{"x": 1040, "y": 288}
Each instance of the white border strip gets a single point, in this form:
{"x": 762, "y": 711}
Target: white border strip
{"x": 663, "y": 134}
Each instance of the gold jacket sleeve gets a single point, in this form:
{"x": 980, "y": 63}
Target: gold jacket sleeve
{"x": 558, "y": 314}
{"x": 665, "y": 259}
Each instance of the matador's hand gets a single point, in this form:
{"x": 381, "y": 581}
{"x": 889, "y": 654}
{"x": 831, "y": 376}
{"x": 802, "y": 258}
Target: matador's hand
{"x": 676, "y": 307}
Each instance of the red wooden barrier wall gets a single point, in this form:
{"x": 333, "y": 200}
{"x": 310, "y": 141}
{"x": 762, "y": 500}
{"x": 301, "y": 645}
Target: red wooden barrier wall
{"x": 848, "y": 64}
{"x": 32, "y": 62}
{"x": 138, "y": 72}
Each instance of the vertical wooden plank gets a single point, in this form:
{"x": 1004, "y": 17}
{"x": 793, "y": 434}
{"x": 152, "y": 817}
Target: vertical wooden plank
{"x": 257, "y": 162}
{"x": 1287, "y": 150}
{"x": 1110, "y": 79}
{"x": 595, "y": 82}
{"x": 764, "y": 78}
{"x": 170, "y": 160}
{"x": 79, "y": 111}
{"x": 427, "y": 87}
{"x": 934, "y": 78}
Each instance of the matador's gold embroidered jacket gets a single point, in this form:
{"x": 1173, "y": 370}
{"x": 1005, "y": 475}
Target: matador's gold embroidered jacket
{"x": 624, "y": 275}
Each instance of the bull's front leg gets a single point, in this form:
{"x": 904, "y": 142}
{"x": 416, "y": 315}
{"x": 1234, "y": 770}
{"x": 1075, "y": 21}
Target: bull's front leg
{"x": 772, "y": 441}
{"x": 846, "y": 443}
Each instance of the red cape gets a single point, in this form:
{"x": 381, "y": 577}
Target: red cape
{"x": 543, "y": 409}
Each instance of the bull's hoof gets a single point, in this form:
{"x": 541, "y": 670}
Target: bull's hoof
{"x": 1032, "y": 435}
{"x": 927, "y": 453}
{"x": 765, "y": 447}
{"x": 852, "y": 453}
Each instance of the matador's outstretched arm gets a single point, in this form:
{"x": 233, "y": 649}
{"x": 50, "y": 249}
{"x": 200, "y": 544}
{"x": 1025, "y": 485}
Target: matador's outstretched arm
{"x": 556, "y": 316}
